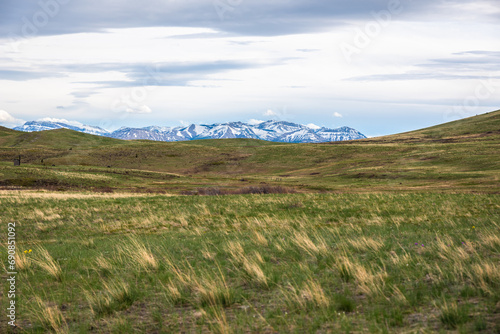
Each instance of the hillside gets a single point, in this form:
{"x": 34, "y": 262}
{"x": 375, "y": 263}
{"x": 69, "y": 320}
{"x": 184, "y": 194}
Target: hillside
{"x": 485, "y": 125}
{"x": 456, "y": 156}
{"x": 53, "y": 139}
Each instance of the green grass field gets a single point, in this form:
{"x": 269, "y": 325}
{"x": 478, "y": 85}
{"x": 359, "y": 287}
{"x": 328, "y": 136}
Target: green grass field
{"x": 397, "y": 234}
{"x": 256, "y": 263}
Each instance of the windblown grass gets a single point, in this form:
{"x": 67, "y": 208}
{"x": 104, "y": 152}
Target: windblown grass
{"x": 257, "y": 263}
{"x": 139, "y": 254}
{"x": 115, "y": 295}
{"x": 49, "y": 317}
{"x": 46, "y": 262}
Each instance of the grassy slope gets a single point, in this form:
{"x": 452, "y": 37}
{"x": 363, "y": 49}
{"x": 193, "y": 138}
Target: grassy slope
{"x": 460, "y": 155}
{"x": 56, "y": 139}
{"x": 484, "y": 124}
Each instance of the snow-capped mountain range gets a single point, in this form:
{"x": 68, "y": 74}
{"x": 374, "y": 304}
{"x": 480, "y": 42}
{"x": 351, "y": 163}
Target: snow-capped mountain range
{"x": 61, "y": 124}
{"x": 277, "y": 131}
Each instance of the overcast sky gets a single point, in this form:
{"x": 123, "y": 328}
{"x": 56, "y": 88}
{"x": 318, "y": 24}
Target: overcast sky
{"x": 378, "y": 66}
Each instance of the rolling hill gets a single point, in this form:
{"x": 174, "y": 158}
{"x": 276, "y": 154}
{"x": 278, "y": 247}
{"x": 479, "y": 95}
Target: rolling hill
{"x": 456, "y": 156}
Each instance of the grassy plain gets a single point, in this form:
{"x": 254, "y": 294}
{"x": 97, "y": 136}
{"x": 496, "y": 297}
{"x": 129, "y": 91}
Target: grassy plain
{"x": 394, "y": 234}
{"x": 295, "y": 263}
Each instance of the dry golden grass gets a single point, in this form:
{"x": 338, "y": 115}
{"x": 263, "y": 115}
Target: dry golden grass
{"x": 401, "y": 260}
{"x": 249, "y": 264}
{"x": 208, "y": 289}
{"x": 235, "y": 250}
{"x": 259, "y": 239}
{"x": 139, "y": 254}
{"x": 491, "y": 241}
{"x": 398, "y": 295}
{"x": 102, "y": 263}
{"x": 369, "y": 281}
{"x": 88, "y": 242}
{"x": 44, "y": 260}
{"x": 203, "y": 209}
{"x": 302, "y": 240}
{"x": 117, "y": 289}
{"x": 21, "y": 195}
{"x": 85, "y": 176}
{"x": 49, "y": 316}
{"x": 171, "y": 292}
{"x": 253, "y": 269}
{"x": 451, "y": 315}
{"x": 366, "y": 244}
{"x": 485, "y": 275}
{"x": 310, "y": 295}
{"x": 219, "y": 322}
{"x": 114, "y": 295}
{"x": 313, "y": 292}
{"x": 111, "y": 226}
{"x": 258, "y": 257}
{"x": 23, "y": 261}
{"x": 207, "y": 254}
{"x": 211, "y": 290}
{"x": 263, "y": 222}
{"x": 99, "y": 302}
{"x": 184, "y": 277}
{"x": 47, "y": 214}
{"x": 377, "y": 220}
{"x": 448, "y": 252}
{"x": 183, "y": 221}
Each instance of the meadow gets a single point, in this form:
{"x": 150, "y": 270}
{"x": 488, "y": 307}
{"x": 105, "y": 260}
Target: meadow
{"x": 398, "y": 234}
{"x": 297, "y": 263}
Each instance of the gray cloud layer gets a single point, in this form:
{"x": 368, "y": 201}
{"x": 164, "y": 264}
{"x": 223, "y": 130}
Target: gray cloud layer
{"x": 247, "y": 17}
{"x": 20, "y": 75}
{"x": 141, "y": 74}
{"x": 469, "y": 65}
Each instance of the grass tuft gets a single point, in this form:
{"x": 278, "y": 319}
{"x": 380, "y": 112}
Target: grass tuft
{"x": 50, "y": 317}
{"x": 115, "y": 295}
{"x": 452, "y": 316}
{"x": 344, "y": 303}
{"x": 44, "y": 260}
{"x": 139, "y": 254}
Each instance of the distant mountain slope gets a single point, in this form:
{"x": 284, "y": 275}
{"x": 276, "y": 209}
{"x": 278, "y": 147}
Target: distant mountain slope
{"x": 34, "y": 126}
{"x": 277, "y": 131}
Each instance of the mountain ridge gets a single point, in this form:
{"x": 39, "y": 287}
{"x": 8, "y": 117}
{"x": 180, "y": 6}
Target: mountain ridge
{"x": 276, "y": 131}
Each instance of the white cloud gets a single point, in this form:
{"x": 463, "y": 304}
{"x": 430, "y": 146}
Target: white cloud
{"x": 60, "y": 120}
{"x": 310, "y": 83}
{"x": 8, "y": 120}
{"x": 270, "y": 113}
{"x": 144, "y": 109}
{"x": 255, "y": 121}
{"x": 313, "y": 126}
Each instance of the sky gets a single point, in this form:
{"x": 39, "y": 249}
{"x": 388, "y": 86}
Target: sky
{"x": 379, "y": 66}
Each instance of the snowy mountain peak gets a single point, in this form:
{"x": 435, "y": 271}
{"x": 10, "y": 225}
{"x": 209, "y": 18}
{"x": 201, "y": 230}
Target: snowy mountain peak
{"x": 43, "y": 125}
